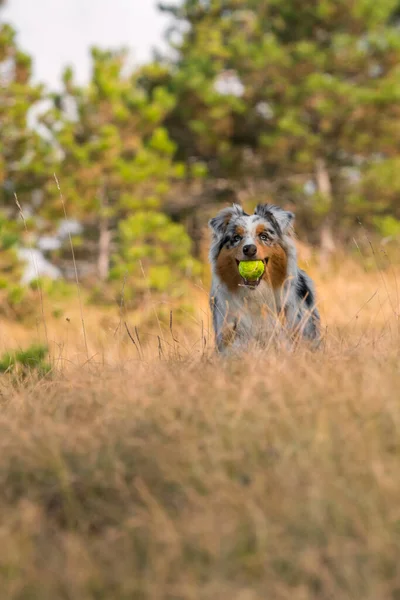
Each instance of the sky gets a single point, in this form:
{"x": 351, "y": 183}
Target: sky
{"x": 60, "y": 32}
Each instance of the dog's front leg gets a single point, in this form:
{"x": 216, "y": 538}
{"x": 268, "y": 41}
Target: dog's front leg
{"x": 227, "y": 336}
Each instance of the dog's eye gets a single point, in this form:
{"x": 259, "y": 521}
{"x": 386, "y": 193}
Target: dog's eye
{"x": 264, "y": 237}
{"x": 237, "y": 238}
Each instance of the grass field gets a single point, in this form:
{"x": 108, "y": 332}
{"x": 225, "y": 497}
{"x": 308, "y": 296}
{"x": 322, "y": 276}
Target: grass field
{"x": 159, "y": 471}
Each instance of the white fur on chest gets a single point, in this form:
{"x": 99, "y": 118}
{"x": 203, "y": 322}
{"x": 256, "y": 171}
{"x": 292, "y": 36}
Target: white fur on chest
{"x": 253, "y": 312}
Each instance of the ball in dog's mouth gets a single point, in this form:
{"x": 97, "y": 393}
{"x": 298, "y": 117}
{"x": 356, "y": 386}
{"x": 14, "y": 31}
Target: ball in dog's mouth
{"x": 251, "y": 272}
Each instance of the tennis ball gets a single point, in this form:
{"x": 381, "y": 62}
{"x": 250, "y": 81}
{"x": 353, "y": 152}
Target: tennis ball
{"x": 251, "y": 269}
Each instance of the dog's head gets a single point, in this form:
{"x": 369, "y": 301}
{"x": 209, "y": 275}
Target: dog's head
{"x": 238, "y": 236}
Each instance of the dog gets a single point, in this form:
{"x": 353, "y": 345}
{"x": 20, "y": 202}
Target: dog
{"x": 281, "y": 304}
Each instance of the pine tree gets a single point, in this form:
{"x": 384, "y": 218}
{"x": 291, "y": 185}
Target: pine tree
{"x": 116, "y": 166}
{"x": 301, "y": 95}
{"x": 24, "y": 154}
{"x": 24, "y": 158}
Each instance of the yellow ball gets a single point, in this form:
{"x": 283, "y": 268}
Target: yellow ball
{"x": 251, "y": 269}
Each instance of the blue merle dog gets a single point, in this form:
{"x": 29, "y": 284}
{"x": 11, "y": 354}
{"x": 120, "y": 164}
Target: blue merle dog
{"x": 280, "y": 305}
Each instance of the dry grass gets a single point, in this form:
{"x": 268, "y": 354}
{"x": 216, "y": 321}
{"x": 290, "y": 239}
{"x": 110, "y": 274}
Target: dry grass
{"x": 192, "y": 477}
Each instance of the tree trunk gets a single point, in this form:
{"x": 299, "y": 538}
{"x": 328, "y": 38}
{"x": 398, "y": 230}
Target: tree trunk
{"x": 103, "y": 260}
{"x": 324, "y": 187}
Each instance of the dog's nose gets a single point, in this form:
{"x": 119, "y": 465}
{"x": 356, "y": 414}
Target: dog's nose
{"x": 250, "y": 250}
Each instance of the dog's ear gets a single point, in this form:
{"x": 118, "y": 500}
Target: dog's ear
{"x": 283, "y": 218}
{"x": 220, "y": 223}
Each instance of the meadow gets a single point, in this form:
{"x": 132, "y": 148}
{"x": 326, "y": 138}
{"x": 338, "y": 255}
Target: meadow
{"x": 135, "y": 463}
{"x": 150, "y": 468}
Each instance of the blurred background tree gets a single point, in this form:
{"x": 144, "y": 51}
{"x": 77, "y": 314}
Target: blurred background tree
{"x": 292, "y": 102}
{"x": 15, "y": 298}
{"x": 298, "y": 100}
{"x": 24, "y": 159}
{"x": 24, "y": 153}
{"x": 116, "y": 167}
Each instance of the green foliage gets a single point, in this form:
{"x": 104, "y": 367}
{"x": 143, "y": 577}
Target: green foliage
{"x": 9, "y": 238}
{"x": 117, "y": 157}
{"x": 54, "y": 289}
{"x": 377, "y": 193}
{"x": 155, "y": 254}
{"x": 15, "y": 299}
{"x": 388, "y": 226}
{"x": 281, "y": 92}
{"x": 295, "y": 101}
{"x": 24, "y": 154}
{"x": 26, "y": 362}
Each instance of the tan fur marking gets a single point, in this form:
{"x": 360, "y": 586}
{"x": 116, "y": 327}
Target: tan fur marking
{"x": 239, "y": 230}
{"x": 260, "y": 229}
{"x": 227, "y": 269}
{"x": 262, "y": 250}
{"x": 276, "y": 271}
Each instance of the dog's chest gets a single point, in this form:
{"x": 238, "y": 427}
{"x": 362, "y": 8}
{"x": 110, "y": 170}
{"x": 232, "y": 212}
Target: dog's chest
{"x": 255, "y": 311}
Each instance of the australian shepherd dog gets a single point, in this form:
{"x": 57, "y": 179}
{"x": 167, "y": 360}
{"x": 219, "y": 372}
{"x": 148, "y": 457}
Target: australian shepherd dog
{"x": 277, "y": 307}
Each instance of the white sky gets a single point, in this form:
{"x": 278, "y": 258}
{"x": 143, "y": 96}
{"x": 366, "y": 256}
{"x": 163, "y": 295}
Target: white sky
{"x": 60, "y": 32}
